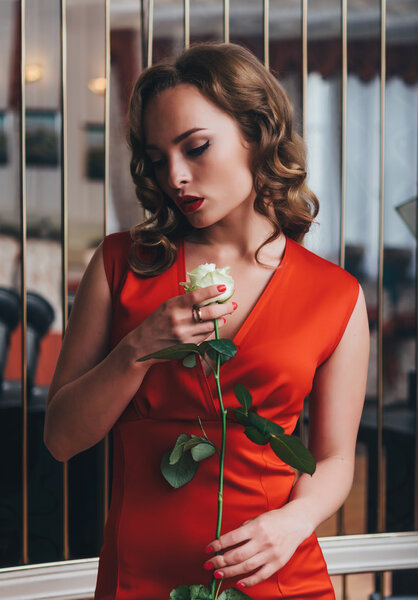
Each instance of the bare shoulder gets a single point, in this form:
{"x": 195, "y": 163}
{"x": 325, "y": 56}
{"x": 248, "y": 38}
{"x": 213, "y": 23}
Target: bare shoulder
{"x": 356, "y": 336}
{"x": 86, "y": 339}
{"x": 352, "y": 351}
{"x": 337, "y": 396}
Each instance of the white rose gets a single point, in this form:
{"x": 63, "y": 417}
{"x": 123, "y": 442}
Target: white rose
{"x": 207, "y": 274}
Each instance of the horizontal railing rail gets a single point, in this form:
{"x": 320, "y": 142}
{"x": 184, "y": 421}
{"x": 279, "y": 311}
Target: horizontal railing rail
{"x": 76, "y": 579}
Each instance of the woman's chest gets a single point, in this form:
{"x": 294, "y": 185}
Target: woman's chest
{"x": 250, "y": 286}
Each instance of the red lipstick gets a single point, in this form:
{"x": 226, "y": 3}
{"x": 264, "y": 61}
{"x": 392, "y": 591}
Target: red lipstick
{"x": 189, "y": 204}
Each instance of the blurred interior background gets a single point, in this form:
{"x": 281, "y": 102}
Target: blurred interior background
{"x": 57, "y": 206}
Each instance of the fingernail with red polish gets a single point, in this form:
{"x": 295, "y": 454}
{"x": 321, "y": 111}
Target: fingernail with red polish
{"x": 224, "y": 320}
{"x": 208, "y": 566}
{"x": 240, "y": 585}
{"x": 222, "y": 288}
{"x": 234, "y": 305}
{"x": 218, "y": 574}
{"x": 208, "y": 550}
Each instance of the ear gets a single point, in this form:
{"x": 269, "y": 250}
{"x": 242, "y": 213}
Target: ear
{"x": 251, "y": 148}
{"x": 247, "y": 145}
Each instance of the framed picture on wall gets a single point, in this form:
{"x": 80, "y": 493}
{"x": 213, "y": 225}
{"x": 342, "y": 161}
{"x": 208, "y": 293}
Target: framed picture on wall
{"x": 95, "y": 151}
{"x": 43, "y": 128}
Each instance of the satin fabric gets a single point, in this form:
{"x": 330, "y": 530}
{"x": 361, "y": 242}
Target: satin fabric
{"x": 155, "y": 535}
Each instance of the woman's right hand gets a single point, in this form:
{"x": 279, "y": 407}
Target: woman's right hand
{"x": 172, "y": 322}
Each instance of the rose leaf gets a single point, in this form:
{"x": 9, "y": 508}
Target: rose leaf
{"x": 182, "y": 472}
{"x": 202, "y": 451}
{"x": 291, "y": 451}
{"x": 190, "y": 592}
{"x": 224, "y": 346}
{"x": 182, "y": 592}
{"x": 199, "y": 592}
{"x": 264, "y": 425}
{"x": 241, "y": 416}
{"x": 189, "y": 361}
{"x": 255, "y": 436}
{"x": 243, "y": 396}
{"x": 177, "y": 451}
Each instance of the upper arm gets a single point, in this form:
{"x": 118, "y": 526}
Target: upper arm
{"x": 86, "y": 340}
{"x": 337, "y": 396}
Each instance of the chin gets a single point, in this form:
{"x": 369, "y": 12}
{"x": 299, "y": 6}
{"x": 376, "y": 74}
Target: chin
{"x": 199, "y": 221}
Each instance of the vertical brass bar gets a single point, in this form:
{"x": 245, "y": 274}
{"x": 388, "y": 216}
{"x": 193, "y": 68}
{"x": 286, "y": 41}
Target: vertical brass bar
{"x": 304, "y": 64}
{"x": 150, "y": 32}
{"x": 304, "y": 32}
{"x": 142, "y": 34}
{"x": 381, "y": 518}
{"x": 64, "y": 234}
{"x": 106, "y": 213}
{"x": 416, "y": 375}
{"x": 266, "y": 34}
{"x": 107, "y": 116}
{"x": 380, "y": 466}
{"x": 381, "y": 490}
{"x": 340, "y": 515}
{"x": 343, "y": 127}
{"x": 23, "y": 237}
{"x": 186, "y": 8}
{"x": 226, "y": 21}
{"x": 416, "y": 382}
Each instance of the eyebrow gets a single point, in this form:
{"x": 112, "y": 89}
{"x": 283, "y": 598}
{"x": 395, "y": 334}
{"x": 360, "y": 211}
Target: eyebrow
{"x": 179, "y": 138}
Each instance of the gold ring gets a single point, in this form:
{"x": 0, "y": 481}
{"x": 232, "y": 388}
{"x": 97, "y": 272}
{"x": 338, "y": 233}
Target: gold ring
{"x": 197, "y": 313}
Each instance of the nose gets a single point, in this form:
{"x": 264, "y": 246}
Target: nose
{"x": 178, "y": 173}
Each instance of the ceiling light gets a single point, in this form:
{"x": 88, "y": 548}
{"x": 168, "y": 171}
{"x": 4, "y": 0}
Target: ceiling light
{"x": 33, "y": 72}
{"x": 98, "y": 85}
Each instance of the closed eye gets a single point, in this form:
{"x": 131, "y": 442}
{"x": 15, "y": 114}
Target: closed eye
{"x": 158, "y": 164}
{"x": 199, "y": 150}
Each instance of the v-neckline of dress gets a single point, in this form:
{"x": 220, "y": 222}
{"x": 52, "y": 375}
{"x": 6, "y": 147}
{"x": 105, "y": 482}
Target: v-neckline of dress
{"x": 207, "y": 381}
{"x": 246, "y": 324}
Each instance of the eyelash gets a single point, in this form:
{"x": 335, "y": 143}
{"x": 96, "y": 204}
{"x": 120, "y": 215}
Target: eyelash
{"x": 193, "y": 152}
{"x": 198, "y": 151}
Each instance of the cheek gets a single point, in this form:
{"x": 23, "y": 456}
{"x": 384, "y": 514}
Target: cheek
{"x": 239, "y": 178}
{"x": 232, "y": 171}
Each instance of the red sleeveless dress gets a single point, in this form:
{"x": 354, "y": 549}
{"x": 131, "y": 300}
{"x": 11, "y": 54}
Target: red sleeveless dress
{"x": 155, "y": 535}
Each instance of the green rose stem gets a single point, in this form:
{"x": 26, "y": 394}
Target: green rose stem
{"x": 222, "y": 457}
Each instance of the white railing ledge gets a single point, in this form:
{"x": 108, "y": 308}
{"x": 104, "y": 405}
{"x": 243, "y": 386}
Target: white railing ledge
{"x": 370, "y": 553}
{"x": 76, "y": 579}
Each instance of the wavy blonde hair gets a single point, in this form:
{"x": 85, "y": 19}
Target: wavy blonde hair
{"x": 235, "y": 80}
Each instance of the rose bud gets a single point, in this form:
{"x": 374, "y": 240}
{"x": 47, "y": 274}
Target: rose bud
{"x": 206, "y": 275}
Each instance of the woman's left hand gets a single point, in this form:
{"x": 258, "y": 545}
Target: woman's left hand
{"x": 267, "y": 542}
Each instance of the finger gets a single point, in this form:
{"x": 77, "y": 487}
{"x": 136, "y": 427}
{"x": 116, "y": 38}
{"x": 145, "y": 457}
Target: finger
{"x": 214, "y": 311}
{"x": 221, "y": 322}
{"x": 235, "y": 556}
{"x": 261, "y": 575}
{"x": 251, "y": 564}
{"x": 202, "y": 294}
{"x": 205, "y": 329}
{"x": 232, "y": 538}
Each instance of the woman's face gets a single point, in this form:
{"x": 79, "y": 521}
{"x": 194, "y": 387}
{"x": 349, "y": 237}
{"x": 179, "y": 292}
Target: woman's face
{"x": 199, "y": 155}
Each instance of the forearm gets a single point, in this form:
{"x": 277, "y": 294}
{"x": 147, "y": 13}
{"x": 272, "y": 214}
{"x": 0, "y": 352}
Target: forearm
{"x": 83, "y": 411}
{"x": 318, "y": 497}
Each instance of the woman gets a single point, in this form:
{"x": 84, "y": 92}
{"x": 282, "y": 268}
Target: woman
{"x": 218, "y": 166}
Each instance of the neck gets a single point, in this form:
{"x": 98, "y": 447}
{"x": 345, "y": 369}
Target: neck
{"x": 225, "y": 238}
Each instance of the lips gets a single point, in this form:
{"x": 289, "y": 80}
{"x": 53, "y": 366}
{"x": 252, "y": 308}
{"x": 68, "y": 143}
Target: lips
{"x": 189, "y": 204}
